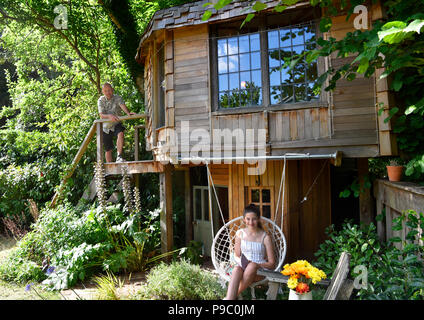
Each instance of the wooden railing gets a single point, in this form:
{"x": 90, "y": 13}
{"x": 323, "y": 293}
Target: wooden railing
{"x": 394, "y": 198}
{"x": 97, "y": 127}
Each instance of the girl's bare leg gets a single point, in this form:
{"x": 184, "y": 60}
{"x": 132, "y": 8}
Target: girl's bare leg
{"x": 233, "y": 285}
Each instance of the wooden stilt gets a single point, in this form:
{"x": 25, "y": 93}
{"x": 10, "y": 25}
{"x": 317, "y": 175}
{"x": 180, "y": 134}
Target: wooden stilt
{"x": 166, "y": 222}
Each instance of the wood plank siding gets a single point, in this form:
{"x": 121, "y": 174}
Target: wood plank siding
{"x": 191, "y": 78}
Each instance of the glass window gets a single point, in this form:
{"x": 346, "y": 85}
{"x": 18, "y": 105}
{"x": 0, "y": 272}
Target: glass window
{"x": 288, "y": 86}
{"x": 239, "y": 69}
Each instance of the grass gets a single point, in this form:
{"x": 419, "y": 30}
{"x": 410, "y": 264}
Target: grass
{"x": 12, "y": 291}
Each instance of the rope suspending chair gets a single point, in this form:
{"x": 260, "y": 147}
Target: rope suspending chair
{"x": 222, "y": 251}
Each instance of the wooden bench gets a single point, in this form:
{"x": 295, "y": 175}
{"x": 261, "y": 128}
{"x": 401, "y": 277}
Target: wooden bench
{"x": 338, "y": 288}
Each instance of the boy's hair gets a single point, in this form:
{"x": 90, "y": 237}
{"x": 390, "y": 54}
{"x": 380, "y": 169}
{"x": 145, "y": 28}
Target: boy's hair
{"x": 254, "y": 209}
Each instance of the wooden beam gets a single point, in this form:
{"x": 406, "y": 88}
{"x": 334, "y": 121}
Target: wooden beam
{"x": 99, "y": 129}
{"x": 339, "y": 276}
{"x": 166, "y": 222}
{"x": 74, "y": 164}
{"x": 145, "y": 166}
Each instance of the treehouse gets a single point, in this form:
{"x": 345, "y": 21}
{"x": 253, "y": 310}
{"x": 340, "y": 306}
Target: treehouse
{"x": 211, "y": 82}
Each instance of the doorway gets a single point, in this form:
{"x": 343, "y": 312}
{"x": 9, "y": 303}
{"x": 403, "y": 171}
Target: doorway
{"x": 203, "y": 220}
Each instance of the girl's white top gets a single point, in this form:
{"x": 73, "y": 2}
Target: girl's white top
{"x": 254, "y": 251}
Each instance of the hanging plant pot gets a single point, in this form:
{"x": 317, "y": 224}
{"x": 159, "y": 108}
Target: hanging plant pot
{"x": 394, "y": 173}
{"x": 293, "y": 295}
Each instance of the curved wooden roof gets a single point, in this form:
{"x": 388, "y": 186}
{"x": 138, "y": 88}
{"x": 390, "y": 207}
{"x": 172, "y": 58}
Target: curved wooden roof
{"x": 191, "y": 14}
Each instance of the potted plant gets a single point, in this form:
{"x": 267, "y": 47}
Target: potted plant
{"x": 395, "y": 169}
{"x": 302, "y": 278}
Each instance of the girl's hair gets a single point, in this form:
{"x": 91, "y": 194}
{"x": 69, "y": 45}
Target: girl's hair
{"x": 253, "y": 209}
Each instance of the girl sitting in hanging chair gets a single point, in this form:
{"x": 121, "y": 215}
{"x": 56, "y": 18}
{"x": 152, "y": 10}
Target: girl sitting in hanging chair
{"x": 253, "y": 250}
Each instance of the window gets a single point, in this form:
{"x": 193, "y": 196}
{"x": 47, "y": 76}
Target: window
{"x": 239, "y": 71}
{"x": 296, "y": 85}
{"x": 262, "y": 197}
{"x": 247, "y": 64}
{"x": 201, "y": 203}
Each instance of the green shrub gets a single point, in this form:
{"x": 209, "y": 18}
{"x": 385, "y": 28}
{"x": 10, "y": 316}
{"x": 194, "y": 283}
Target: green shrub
{"x": 392, "y": 273}
{"x": 180, "y": 280}
{"x": 78, "y": 242}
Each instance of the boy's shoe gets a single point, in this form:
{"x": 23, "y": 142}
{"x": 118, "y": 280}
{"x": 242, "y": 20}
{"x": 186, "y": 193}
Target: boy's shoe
{"x": 120, "y": 159}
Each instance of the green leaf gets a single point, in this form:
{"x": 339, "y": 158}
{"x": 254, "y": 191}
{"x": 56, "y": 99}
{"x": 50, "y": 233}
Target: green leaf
{"x": 325, "y": 24}
{"x": 206, "y": 15}
{"x": 249, "y": 17}
{"x": 363, "y": 65}
{"x": 259, "y": 6}
{"x": 364, "y": 247}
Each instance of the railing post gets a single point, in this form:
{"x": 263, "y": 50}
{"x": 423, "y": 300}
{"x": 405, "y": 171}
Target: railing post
{"x": 99, "y": 129}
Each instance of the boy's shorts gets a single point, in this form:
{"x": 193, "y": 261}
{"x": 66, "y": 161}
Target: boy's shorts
{"x": 108, "y": 137}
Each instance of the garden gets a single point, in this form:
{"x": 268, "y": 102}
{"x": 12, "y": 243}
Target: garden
{"x": 49, "y": 84}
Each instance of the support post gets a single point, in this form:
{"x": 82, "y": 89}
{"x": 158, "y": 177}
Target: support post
{"x": 188, "y": 217}
{"x": 99, "y": 129}
{"x": 366, "y": 208}
{"x": 166, "y": 222}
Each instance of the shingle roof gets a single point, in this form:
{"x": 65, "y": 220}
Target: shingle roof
{"x": 191, "y": 14}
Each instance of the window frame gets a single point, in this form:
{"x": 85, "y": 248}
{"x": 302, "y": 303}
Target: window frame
{"x": 261, "y": 203}
{"x": 322, "y": 62}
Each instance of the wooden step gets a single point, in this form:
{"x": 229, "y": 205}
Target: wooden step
{"x": 145, "y": 166}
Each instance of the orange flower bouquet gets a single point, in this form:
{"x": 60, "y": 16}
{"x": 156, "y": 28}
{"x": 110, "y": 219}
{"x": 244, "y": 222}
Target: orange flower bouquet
{"x": 302, "y": 276}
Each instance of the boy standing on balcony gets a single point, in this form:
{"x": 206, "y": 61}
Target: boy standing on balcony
{"x": 109, "y": 106}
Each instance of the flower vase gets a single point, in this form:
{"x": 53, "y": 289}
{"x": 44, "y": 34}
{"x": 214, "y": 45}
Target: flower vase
{"x": 293, "y": 295}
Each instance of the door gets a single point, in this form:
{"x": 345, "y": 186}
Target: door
{"x": 201, "y": 218}
{"x": 202, "y": 226}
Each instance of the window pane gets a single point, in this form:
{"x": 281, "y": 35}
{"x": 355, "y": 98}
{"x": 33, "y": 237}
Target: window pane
{"x": 255, "y": 195}
{"x": 287, "y": 94}
{"x": 300, "y": 92}
{"x": 274, "y": 58}
{"x": 297, "y": 35}
{"x": 222, "y": 65}
{"x": 298, "y": 49}
{"x": 275, "y": 94}
{"x": 223, "y": 99}
{"x": 245, "y": 98}
{"x": 198, "y": 203}
{"x": 254, "y": 42}
{"x": 233, "y": 64}
{"x": 222, "y": 47}
{"x": 256, "y": 78}
{"x": 310, "y": 94}
{"x": 233, "y": 45}
{"x": 256, "y": 94}
{"x": 286, "y": 76}
{"x": 273, "y": 39}
{"x": 244, "y": 44}
{"x": 266, "y": 211}
{"x": 311, "y": 72}
{"x": 256, "y": 60}
{"x": 274, "y": 77}
{"x": 244, "y": 62}
{"x": 285, "y": 39}
{"x": 234, "y": 81}
{"x": 310, "y": 34}
{"x": 266, "y": 195}
{"x": 299, "y": 73}
{"x": 223, "y": 82}
{"x": 244, "y": 79}
{"x": 205, "y": 205}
